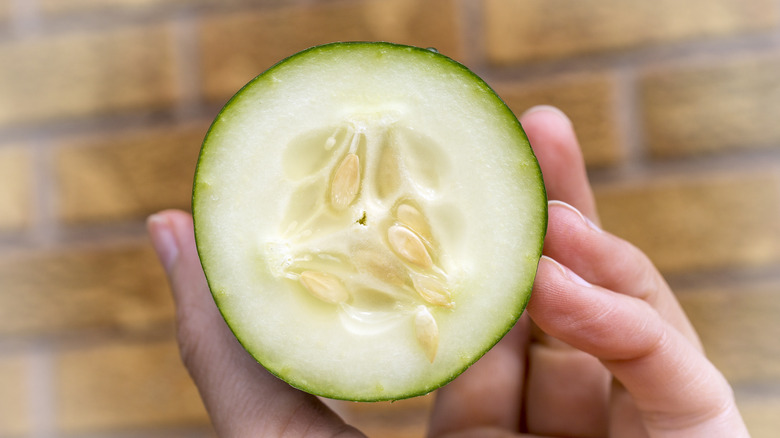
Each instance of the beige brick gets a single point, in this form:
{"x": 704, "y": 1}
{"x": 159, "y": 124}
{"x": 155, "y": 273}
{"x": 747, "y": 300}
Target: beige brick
{"x": 731, "y": 105}
{"x": 238, "y": 47}
{"x": 530, "y": 30}
{"x": 760, "y": 413}
{"x": 117, "y": 287}
{"x": 14, "y": 401}
{"x": 86, "y": 74}
{"x": 125, "y": 385}
{"x": 127, "y": 174}
{"x": 709, "y": 220}
{"x": 739, "y": 327}
{"x": 589, "y": 100}
{"x": 16, "y": 187}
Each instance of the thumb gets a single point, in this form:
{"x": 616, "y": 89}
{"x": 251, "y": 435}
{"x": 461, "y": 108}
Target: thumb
{"x": 242, "y": 398}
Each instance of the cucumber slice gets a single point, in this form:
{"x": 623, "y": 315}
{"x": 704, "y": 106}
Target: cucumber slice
{"x": 369, "y": 217}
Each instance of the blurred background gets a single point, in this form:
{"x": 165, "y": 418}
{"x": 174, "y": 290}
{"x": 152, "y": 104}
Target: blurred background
{"x": 103, "y": 104}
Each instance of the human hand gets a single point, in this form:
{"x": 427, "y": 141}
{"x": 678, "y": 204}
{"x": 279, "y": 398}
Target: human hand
{"x": 550, "y": 377}
{"x": 604, "y": 348}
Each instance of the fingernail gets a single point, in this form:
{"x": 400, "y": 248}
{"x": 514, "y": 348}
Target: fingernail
{"x": 584, "y": 218}
{"x": 568, "y": 273}
{"x": 550, "y": 109}
{"x": 163, "y": 239}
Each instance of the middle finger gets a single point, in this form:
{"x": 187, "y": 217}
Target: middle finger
{"x": 610, "y": 262}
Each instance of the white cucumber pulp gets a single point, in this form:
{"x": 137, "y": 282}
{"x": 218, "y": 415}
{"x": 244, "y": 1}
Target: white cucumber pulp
{"x": 369, "y": 217}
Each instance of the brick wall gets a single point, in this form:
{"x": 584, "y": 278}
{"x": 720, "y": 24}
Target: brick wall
{"x": 103, "y": 104}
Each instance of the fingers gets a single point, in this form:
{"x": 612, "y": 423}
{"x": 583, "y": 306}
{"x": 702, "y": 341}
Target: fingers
{"x": 556, "y": 371}
{"x": 611, "y": 262}
{"x": 677, "y": 391}
{"x": 556, "y": 147}
{"x": 242, "y": 398}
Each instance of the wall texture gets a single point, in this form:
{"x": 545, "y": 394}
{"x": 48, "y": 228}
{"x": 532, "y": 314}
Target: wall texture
{"x": 103, "y": 104}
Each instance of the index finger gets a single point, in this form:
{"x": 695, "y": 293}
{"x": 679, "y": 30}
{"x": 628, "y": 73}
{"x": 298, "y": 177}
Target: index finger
{"x": 555, "y": 144}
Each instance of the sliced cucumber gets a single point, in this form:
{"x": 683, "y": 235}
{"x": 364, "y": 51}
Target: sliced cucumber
{"x": 369, "y": 217}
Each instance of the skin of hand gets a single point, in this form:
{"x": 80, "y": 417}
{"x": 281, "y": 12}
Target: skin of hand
{"x": 604, "y": 349}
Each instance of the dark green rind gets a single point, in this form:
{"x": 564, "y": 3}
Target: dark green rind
{"x": 525, "y": 291}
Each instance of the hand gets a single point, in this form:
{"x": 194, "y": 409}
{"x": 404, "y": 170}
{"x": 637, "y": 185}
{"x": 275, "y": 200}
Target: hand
{"x": 607, "y": 350}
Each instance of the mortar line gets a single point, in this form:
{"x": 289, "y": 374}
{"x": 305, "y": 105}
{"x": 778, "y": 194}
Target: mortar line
{"x": 41, "y": 391}
{"x": 25, "y": 17}
{"x": 675, "y": 53}
{"x": 759, "y": 160}
{"x": 186, "y": 54}
{"x": 726, "y": 278}
{"x": 469, "y": 18}
{"x": 756, "y": 390}
{"x": 628, "y": 108}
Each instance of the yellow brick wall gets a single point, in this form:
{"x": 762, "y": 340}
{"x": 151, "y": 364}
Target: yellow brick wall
{"x": 103, "y": 104}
